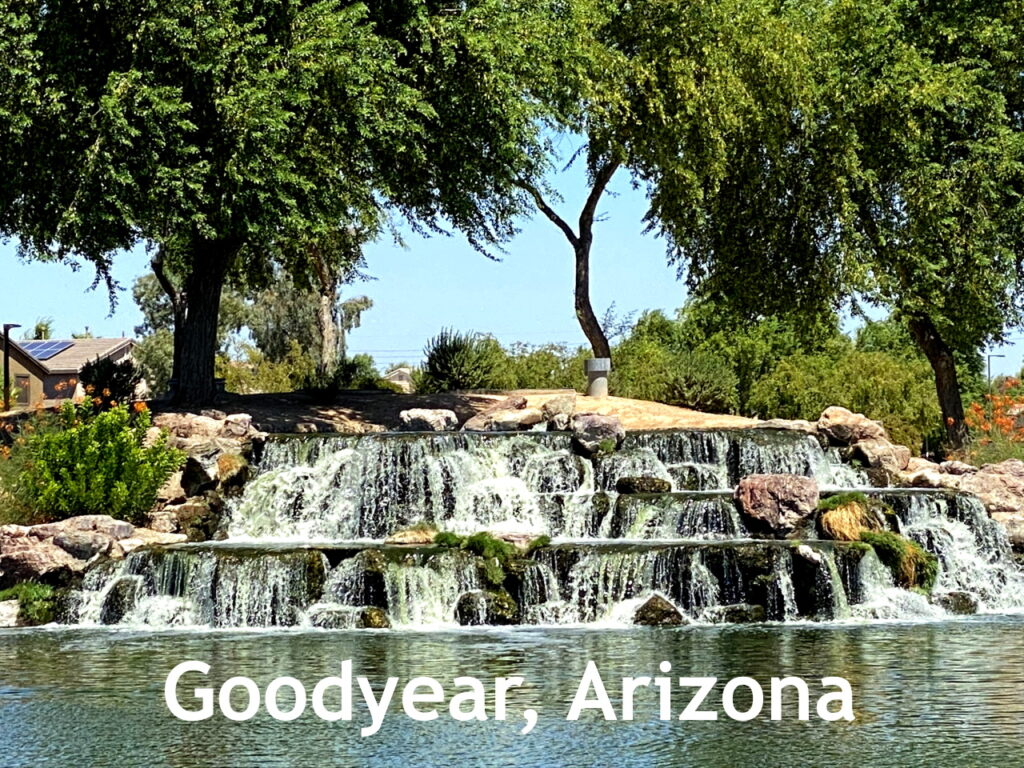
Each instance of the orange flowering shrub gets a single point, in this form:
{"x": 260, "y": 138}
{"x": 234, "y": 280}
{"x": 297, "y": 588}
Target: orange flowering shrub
{"x": 997, "y": 424}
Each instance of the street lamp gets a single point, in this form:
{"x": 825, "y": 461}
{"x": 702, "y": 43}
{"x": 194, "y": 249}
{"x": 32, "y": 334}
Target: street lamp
{"x": 7, "y": 364}
{"x": 988, "y": 361}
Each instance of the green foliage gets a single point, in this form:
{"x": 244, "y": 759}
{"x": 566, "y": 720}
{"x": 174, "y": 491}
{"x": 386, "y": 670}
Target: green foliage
{"x": 842, "y": 499}
{"x": 538, "y": 543}
{"x": 897, "y": 392}
{"x": 911, "y": 566}
{"x": 992, "y": 448}
{"x": 82, "y": 462}
{"x": 356, "y": 372}
{"x": 449, "y": 540}
{"x": 457, "y": 361}
{"x": 109, "y": 382}
{"x": 647, "y": 369}
{"x": 36, "y": 604}
{"x": 551, "y": 366}
{"x": 485, "y": 545}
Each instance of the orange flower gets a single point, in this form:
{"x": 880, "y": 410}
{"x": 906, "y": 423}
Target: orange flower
{"x": 97, "y": 401}
{"x": 106, "y": 392}
{"x": 140, "y": 407}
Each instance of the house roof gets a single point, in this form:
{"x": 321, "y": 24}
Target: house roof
{"x": 78, "y": 353}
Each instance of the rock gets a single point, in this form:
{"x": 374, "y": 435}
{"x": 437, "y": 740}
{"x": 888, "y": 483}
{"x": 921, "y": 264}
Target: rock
{"x": 738, "y": 613}
{"x": 793, "y": 425}
{"x": 103, "y": 524}
{"x": 233, "y": 471}
{"x": 478, "y": 608}
{"x": 999, "y": 486}
{"x": 198, "y": 518}
{"x": 917, "y": 464}
{"x": 881, "y": 453}
{"x": 172, "y": 491}
{"x": 481, "y": 421}
{"x": 518, "y": 420}
{"x": 417, "y": 535}
{"x": 120, "y": 599}
{"x": 561, "y": 405}
{"x": 306, "y": 428}
{"x": 809, "y": 554}
{"x": 27, "y": 558}
{"x": 560, "y": 422}
{"x": 844, "y": 427}
{"x": 428, "y": 420}
{"x": 777, "y": 504}
{"x": 957, "y": 603}
{"x": 956, "y": 468}
{"x": 658, "y": 612}
{"x": 237, "y": 425}
{"x": 593, "y": 433}
{"x": 929, "y": 478}
{"x": 642, "y": 485}
{"x": 9, "y": 614}
{"x": 373, "y": 618}
{"x": 83, "y": 545}
{"x": 213, "y": 413}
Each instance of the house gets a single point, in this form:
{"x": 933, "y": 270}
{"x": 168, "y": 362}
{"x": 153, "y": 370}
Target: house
{"x": 50, "y": 369}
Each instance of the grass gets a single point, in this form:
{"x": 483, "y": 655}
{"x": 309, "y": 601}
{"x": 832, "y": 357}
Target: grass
{"x": 911, "y": 566}
{"x": 841, "y": 500}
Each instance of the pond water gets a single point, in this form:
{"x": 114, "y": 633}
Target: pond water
{"x": 941, "y": 693}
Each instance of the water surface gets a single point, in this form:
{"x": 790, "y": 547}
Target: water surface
{"x": 925, "y": 694}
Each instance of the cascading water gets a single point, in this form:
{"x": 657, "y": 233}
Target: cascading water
{"x": 305, "y": 539}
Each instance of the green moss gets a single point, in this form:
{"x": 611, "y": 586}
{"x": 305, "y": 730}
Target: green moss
{"x": 493, "y": 571}
{"x": 538, "y": 543}
{"x": 485, "y": 545}
{"x": 607, "y": 446}
{"x": 841, "y": 500}
{"x": 449, "y": 539}
{"x": 911, "y": 566}
{"x": 36, "y": 602}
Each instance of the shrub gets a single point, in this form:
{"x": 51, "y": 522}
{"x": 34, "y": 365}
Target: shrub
{"x": 356, "y": 372}
{"x": 36, "y": 602}
{"x": 552, "y": 366}
{"x": 911, "y": 566}
{"x": 647, "y": 369}
{"x": 457, "y": 361}
{"x": 996, "y": 430}
{"x": 110, "y": 383}
{"x": 82, "y": 462}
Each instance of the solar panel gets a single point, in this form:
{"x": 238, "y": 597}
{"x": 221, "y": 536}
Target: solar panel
{"x": 44, "y": 350}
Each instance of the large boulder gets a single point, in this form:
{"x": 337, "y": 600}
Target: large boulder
{"x": 843, "y": 427}
{"x": 957, "y": 603}
{"x": 120, "y": 599}
{"x": 105, "y": 525}
{"x": 373, "y": 617}
{"x": 518, "y": 420}
{"x": 417, "y": 535}
{"x": 1001, "y": 489}
{"x": 656, "y": 611}
{"x": 198, "y": 518}
{"x": 481, "y": 421}
{"x": 594, "y": 433}
{"x": 27, "y": 558}
{"x": 777, "y": 504}
{"x": 428, "y": 420}
{"x": 84, "y": 545}
{"x": 881, "y": 454}
{"x": 560, "y": 405}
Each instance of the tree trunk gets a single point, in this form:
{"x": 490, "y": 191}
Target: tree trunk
{"x": 328, "y": 329}
{"x": 584, "y": 311}
{"x": 940, "y": 356}
{"x": 195, "y": 337}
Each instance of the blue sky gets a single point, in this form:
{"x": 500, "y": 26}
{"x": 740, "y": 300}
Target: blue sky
{"x": 430, "y": 283}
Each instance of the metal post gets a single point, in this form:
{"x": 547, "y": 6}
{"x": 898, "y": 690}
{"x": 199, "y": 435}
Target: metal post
{"x": 7, "y": 364}
{"x": 988, "y": 360}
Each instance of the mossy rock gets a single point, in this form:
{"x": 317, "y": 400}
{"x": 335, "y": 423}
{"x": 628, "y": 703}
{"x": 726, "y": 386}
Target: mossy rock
{"x": 658, "y": 612}
{"x": 911, "y": 566}
{"x": 491, "y": 608}
{"x": 373, "y": 618}
{"x": 738, "y": 613}
{"x": 642, "y": 485}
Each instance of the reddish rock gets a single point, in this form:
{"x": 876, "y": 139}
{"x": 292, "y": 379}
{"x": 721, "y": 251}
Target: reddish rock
{"x": 777, "y": 504}
{"x": 28, "y": 558}
{"x": 882, "y": 454}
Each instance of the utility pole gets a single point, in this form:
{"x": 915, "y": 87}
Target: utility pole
{"x": 7, "y": 364}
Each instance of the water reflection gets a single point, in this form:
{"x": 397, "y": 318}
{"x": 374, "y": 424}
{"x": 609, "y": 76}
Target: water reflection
{"x": 944, "y": 693}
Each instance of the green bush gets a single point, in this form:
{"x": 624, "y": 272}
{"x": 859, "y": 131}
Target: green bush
{"x": 36, "y": 603}
{"x": 110, "y": 383}
{"x": 82, "y": 462}
{"x": 898, "y": 392}
{"x": 457, "y": 361}
{"x": 352, "y": 373}
{"x": 552, "y": 366}
{"x": 646, "y": 369}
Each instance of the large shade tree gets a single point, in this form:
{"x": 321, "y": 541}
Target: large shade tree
{"x": 900, "y": 188}
{"x": 223, "y": 134}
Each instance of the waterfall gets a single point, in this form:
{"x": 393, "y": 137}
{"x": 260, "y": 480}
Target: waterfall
{"x": 306, "y": 547}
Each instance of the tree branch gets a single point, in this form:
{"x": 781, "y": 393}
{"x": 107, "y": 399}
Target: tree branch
{"x": 548, "y": 211}
{"x": 601, "y": 178}
{"x": 157, "y": 263}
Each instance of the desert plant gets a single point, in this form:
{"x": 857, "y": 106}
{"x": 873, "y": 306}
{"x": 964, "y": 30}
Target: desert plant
{"x": 459, "y": 361}
{"x": 82, "y": 462}
{"x": 109, "y": 383}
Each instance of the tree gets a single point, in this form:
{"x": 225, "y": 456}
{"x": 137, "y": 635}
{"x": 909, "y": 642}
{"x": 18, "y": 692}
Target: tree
{"x": 223, "y": 134}
{"x": 42, "y": 330}
{"x": 660, "y": 91}
{"x": 899, "y": 186}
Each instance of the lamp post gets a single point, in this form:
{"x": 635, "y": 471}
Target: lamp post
{"x": 988, "y": 360}
{"x": 7, "y": 364}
